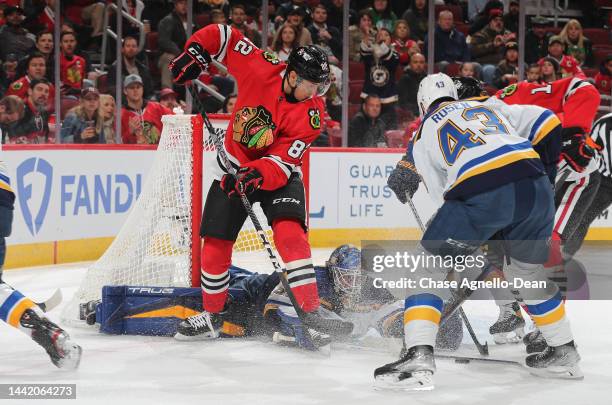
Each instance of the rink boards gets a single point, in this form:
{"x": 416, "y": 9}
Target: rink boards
{"x": 72, "y": 200}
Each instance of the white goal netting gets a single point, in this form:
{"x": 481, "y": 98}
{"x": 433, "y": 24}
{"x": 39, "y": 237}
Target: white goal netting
{"x": 159, "y": 243}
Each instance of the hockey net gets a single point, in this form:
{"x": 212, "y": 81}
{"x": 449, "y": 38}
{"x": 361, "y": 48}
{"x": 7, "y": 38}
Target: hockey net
{"x": 159, "y": 244}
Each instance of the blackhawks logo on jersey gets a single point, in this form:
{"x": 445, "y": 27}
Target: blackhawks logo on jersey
{"x": 508, "y": 91}
{"x": 253, "y": 127}
{"x": 314, "y": 116}
{"x": 271, "y": 57}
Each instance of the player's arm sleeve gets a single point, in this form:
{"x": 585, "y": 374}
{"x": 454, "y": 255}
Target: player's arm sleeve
{"x": 282, "y": 159}
{"x": 580, "y": 104}
{"x": 227, "y": 46}
{"x": 542, "y": 128}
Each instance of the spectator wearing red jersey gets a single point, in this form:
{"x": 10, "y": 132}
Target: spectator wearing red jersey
{"x": 140, "y": 119}
{"x": 568, "y": 64}
{"x": 34, "y": 126}
{"x": 73, "y": 68}
{"x": 404, "y": 45}
{"x": 46, "y": 18}
{"x": 36, "y": 69}
{"x": 603, "y": 79}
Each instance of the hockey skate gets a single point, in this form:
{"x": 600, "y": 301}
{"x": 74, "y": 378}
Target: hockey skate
{"x": 412, "y": 372}
{"x": 64, "y": 353}
{"x": 509, "y": 327}
{"x": 556, "y": 362}
{"x": 535, "y": 342}
{"x": 203, "y": 326}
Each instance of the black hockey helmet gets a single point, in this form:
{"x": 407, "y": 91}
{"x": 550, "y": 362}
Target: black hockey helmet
{"x": 468, "y": 87}
{"x": 310, "y": 63}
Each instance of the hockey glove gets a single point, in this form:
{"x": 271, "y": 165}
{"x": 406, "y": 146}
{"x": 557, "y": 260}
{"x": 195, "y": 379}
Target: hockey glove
{"x": 190, "y": 64}
{"x": 574, "y": 148}
{"x": 404, "y": 179}
{"x": 246, "y": 181}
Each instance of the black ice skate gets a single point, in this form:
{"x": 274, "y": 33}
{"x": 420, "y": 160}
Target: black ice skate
{"x": 556, "y": 362}
{"x": 535, "y": 342}
{"x": 329, "y": 326}
{"x": 203, "y": 326}
{"x": 63, "y": 352}
{"x": 412, "y": 372}
{"x": 509, "y": 327}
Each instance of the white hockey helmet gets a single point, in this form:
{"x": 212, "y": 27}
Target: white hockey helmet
{"x": 434, "y": 87}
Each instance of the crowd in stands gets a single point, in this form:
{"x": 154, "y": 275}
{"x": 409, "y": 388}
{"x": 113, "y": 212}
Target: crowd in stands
{"x": 388, "y": 49}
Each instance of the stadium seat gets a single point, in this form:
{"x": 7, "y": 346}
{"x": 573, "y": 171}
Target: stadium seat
{"x": 102, "y": 83}
{"x": 356, "y": 71}
{"x": 590, "y": 72}
{"x": 335, "y": 136}
{"x": 462, "y": 27}
{"x": 598, "y": 36}
{"x": 395, "y": 138}
{"x": 202, "y": 20}
{"x": 152, "y": 41}
{"x": 553, "y": 30}
{"x": 490, "y": 90}
{"x": 355, "y": 88}
{"x": 600, "y": 55}
{"x": 354, "y": 108}
{"x": 453, "y": 69}
{"x": 67, "y": 103}
{"x": 456, "y": 10}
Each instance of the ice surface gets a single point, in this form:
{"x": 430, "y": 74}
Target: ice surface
{"x": 157, "y": 370}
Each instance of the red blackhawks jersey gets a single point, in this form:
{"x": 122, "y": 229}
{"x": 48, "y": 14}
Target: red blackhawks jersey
{"x": 573, "y": 99}
{"x": 72, "y": 71}
{"x": 265, "y": 131}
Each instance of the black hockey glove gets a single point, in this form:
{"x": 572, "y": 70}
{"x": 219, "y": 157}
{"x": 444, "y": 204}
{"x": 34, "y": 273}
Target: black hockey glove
{"x": 246, "y": 181}
{"x": 404, "y": 179}
{"x": 574, "y": 148}
{"x": 190, "y": 64}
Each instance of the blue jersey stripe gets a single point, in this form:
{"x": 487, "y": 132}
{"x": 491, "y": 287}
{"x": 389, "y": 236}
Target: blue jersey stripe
{"x": 538, "y": 123}
{"x": 9, "y": 303}
{"x": 493, "y": 154}
{"x": 424, "y": 299}
{"x": 5, "y": 179}
{"x": 546, "y": 306}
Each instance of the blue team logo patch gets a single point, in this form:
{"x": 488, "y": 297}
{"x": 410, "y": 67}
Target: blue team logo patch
{"x": 31, "y": 173}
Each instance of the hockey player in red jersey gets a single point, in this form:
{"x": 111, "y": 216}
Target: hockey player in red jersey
{"x": 276, "y": 118}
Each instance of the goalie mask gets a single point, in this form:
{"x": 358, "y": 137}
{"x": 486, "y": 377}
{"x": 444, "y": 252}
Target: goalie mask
{"x": 344, "y": 265}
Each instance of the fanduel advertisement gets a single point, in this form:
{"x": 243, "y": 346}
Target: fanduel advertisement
{"x": 68, "y": 194}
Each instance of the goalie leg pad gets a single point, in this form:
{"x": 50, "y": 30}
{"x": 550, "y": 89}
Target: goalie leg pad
{"x": 215, "y": 277}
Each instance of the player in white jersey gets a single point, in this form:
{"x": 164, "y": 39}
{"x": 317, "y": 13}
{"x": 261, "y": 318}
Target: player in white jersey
{"x": 20, "y": 311}
{"x": 485, "y": 164}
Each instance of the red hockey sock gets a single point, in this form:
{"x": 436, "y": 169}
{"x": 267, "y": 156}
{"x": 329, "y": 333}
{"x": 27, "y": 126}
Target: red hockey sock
{"x": 216, "y": 259}
{"x": 292, "y": 245}
{"x": 554, "y": 254}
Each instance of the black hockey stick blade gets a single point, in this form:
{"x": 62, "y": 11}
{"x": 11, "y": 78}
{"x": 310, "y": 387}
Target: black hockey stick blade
{"x": 482, "y": 349}
{"x": 51, "y": 302}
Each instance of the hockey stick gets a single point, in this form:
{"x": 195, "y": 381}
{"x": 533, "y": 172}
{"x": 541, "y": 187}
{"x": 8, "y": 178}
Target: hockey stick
{"x": 51, "y": 302}
{"x": 482, "y": 349}
{"x": 320, "y": 323}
